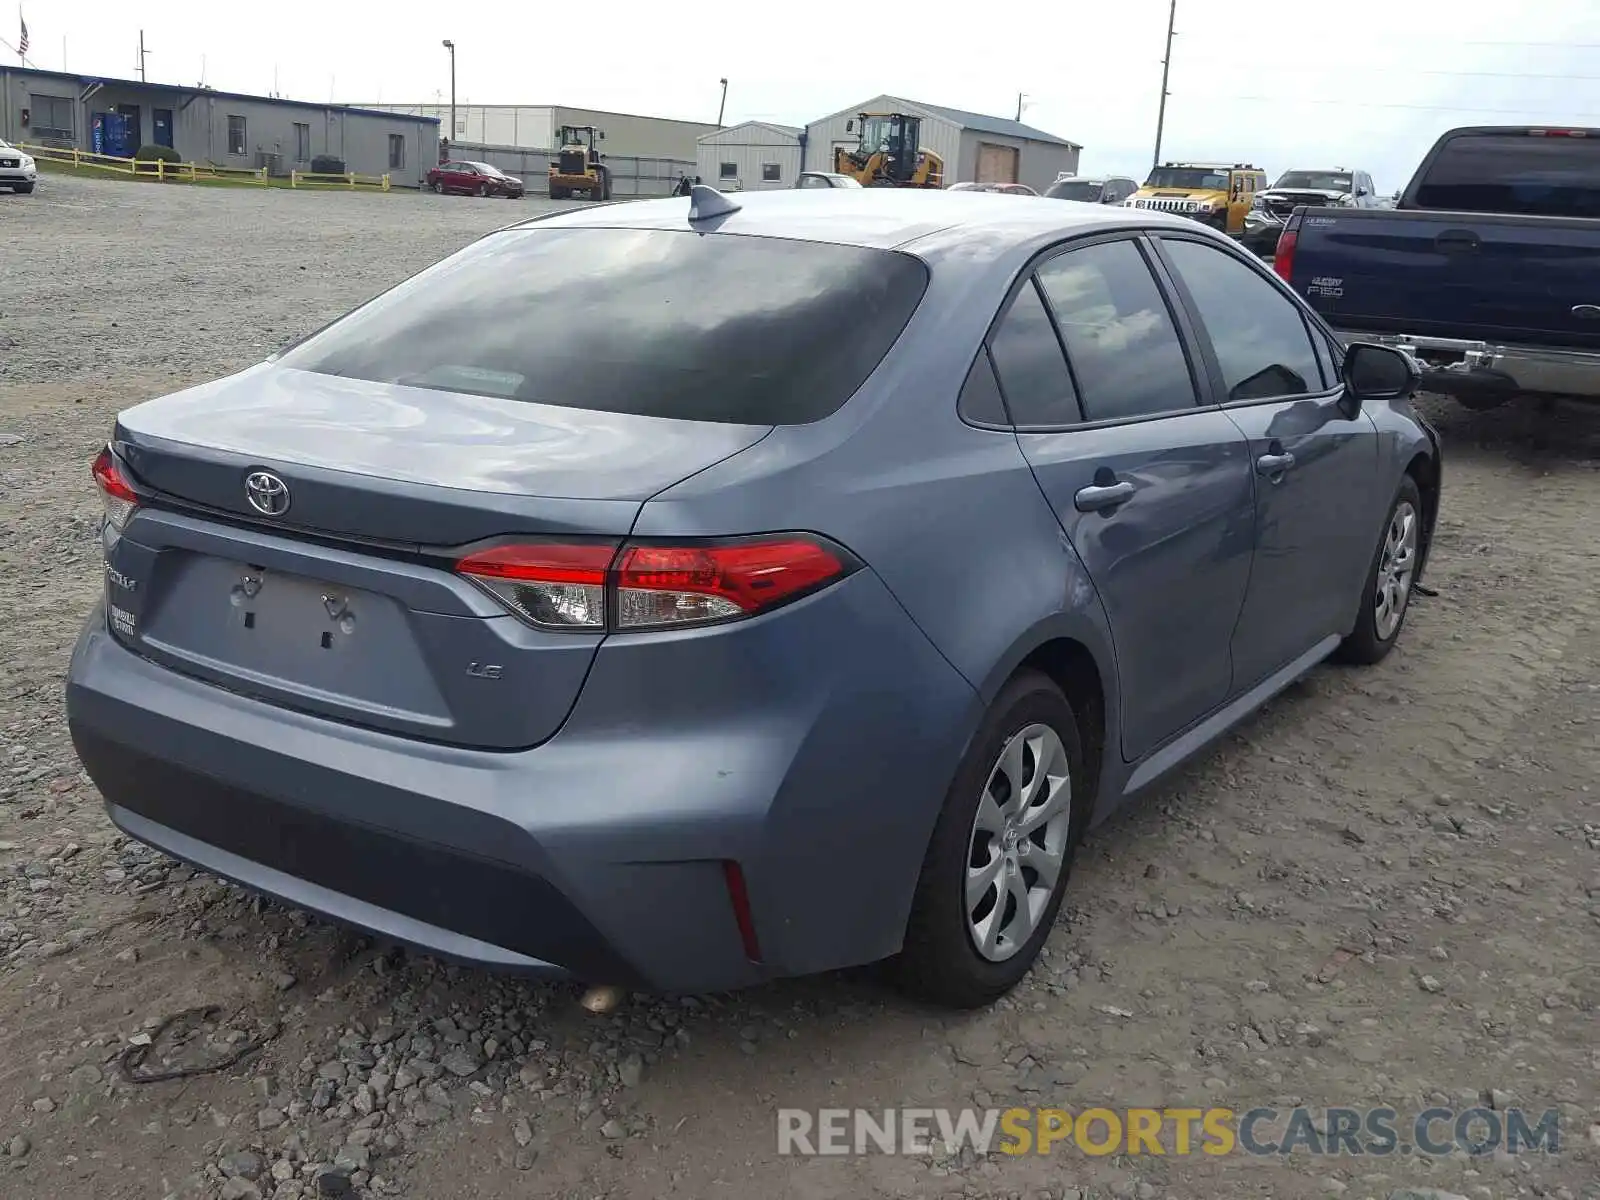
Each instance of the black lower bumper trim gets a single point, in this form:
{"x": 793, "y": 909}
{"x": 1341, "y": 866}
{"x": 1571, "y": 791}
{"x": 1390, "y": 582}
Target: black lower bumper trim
{"x": 439, "y": 886}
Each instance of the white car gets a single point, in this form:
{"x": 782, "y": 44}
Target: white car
{"x": 17, "y": 170}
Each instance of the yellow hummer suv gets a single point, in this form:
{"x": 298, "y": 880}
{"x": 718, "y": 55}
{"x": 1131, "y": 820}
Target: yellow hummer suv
{"x": 1217, "y": 193}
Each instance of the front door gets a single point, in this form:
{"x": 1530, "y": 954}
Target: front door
{"x": 135, "y": 118}
{"x": 1152, "y": 489}
{"x": 1314, "y": 458}
{"x": 161, "y": 123}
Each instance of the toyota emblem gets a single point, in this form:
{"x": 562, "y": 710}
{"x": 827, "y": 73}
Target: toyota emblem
{"x": 267, "y": 494}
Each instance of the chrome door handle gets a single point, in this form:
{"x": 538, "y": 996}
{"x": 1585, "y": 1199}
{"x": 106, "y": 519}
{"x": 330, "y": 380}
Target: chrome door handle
{"x": 1274, "y": 464}
{"x": 1099, "y": 497}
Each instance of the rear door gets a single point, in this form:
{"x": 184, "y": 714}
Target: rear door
{"x": 1153, "y": 489}
{"x": 1314, "y": 457}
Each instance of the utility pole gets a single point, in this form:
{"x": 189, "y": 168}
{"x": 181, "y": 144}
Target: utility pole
{"x": 142, "y": 55}
{"x": 451, "y": 46}
{"x": 1166, "y": 67}
{"x": 1021, "y": 96}
{"x": 722, "y": 107}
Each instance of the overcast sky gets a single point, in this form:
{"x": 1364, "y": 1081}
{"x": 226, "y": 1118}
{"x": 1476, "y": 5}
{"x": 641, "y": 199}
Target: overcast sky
{"x": 1353, "y": 83}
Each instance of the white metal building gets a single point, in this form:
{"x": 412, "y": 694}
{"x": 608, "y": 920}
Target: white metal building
{"x": 750, "y": 157}
{"x": 535, "y": 126}
{"x": 974, "y": 146}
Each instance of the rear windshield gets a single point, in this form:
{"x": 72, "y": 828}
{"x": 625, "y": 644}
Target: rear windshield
{"x": 1074, "y": 190}
{"x": 663, "y": 323}
{"x": 1514, "y": 173}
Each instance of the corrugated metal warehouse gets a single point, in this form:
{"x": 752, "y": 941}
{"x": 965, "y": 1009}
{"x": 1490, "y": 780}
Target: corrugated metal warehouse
{"x": 117, "y": 116}
{"x": 750, "y": 157}
{"x": 974, "y": 146}
{"x": 534, "y": 126}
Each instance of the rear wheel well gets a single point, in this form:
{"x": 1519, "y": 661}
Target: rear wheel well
{"x": 1071, "y": 667}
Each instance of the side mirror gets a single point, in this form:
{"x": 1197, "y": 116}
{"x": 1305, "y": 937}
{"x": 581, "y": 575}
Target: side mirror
{"x": 1373, "y": 372}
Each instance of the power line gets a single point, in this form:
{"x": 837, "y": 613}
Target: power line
{"x": 1409, "y": 70}
{"x": 1451, "y": 108}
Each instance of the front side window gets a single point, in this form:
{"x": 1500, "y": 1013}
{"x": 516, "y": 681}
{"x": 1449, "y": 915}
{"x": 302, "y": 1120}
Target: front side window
{"x": 1124, "y": 349}
{"x": 663, "y": 323}
{"x": 1257, "y": 332}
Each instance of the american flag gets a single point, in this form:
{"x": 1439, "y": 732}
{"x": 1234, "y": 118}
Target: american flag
{"x": 22, "y": 42}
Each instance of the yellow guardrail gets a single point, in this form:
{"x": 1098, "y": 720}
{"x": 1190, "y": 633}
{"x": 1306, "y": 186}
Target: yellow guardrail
{"x": 189, "y": 172}
{"x": 348, "y": 180}
{"x": 179, "y": 172}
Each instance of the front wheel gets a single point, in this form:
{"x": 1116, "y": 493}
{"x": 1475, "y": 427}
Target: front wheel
{"x": 1387, "y": 595}
{"x": 483, "y": 190}
{"x": 997, "y": 865}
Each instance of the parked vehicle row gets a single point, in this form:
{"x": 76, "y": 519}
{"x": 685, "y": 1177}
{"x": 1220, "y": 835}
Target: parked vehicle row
{"x": 1487, "y": 268}
{"x": 1336, "y": 188}
{"x": 810, "y": 623}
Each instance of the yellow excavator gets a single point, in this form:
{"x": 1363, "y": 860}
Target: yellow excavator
{"x": 887, "y": 153}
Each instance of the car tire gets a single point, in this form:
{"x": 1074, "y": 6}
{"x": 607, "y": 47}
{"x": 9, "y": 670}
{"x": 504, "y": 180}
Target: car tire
{"x": 1387, "y": 590}
{"x": 483, "y": 190}
{"x": 438, "y": 187}
{"x": 1028, "y": 738}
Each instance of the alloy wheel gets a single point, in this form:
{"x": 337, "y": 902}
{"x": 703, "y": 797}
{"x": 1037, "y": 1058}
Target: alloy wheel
{"x": 1396, "y": 567}
{"x": 1019, "y": 842}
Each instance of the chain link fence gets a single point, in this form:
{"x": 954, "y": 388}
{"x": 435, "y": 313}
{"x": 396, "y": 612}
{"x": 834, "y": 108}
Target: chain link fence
{"x": 630, "y": 175}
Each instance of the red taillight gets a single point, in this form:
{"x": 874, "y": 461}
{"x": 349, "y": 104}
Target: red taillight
{"x": 1283, "y": 256}
{"x": 555, "y": 585}
{"x": 118, "y": 499}
{"x": 663, "y": 586}
{"x": 590, "y": 586}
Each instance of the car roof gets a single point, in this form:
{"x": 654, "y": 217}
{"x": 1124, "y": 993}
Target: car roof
{"x": 875, "y": 218}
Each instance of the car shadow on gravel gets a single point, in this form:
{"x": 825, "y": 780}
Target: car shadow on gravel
{"x": 1529, "y": 433}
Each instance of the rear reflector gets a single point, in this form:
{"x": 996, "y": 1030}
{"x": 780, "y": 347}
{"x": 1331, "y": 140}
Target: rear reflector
{"x": 739, "y": 898}
{"x": 118, "y": 499}
{"x": 592, "y": 587}
{"x": 554, "y": 585}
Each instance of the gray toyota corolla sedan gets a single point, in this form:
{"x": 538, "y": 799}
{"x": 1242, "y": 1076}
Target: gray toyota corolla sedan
{"x": 683, "y": 593}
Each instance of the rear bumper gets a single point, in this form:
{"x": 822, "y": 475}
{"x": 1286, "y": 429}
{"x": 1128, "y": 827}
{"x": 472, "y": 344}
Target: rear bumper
{"x": 1480, "y": 371}
{"x": 600, "y": 854}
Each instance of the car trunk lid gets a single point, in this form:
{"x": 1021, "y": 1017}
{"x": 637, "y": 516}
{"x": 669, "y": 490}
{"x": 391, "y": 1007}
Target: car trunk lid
{"x": 345, "y": 604}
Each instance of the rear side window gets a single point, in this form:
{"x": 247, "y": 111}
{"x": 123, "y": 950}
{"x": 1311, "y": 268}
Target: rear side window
{"x": 1124, "y": 349}
{"x": 662, "y": 323}
{"x": 1549, "y": 176}
{"x": 1027, "y": 356}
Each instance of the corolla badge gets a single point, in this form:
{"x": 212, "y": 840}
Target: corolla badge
{"x": 267, "y": 494}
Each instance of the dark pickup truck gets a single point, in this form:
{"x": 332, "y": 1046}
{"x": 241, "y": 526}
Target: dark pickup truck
{"x": 1487, "y": 269}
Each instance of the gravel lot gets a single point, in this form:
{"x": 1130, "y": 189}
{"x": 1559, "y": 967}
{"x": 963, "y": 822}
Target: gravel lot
{"x": 1383, "y": 891}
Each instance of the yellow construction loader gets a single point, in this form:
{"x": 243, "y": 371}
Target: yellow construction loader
{"x": 887, "y": 153}
{"x": 577, "y": 167}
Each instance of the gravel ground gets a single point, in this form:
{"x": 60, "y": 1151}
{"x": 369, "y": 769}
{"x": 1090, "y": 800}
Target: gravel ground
{"x": 1385, "y": 890}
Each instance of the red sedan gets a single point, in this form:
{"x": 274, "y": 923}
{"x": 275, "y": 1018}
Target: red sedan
{"x": 474, "y": 179}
